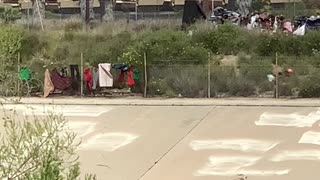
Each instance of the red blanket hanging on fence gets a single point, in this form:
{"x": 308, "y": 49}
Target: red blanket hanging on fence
{"x": 88, "y": 78}
{"x": 60, "y": 82}
{"x": 129, "y": 73}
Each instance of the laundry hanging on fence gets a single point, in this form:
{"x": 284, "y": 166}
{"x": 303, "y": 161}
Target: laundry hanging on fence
{"x": 64, "y": 72}
{"x": 75, "y": 73}
{"x": 25, "y": 74}
{"x": 75, "y": 76}
{"x": 95, "y": 78}
{"x": 130, "y": 76}
{"x": 136, "y": 75}
{"x": 88, "y": 78}
{"x": 60, "y": 82}
{"x": 48, "y": 86}
{"x": 105, "y": 77}
{"x": 121, "y": 76}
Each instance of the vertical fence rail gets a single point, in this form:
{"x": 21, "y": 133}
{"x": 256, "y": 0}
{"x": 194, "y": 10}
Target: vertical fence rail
{"x": 81, "y": 75}
{"x": 145, "y": 75}
{"x": 209, "y": 75}
{"x": 277, "y": 77}
{"x": 18, "y": 79}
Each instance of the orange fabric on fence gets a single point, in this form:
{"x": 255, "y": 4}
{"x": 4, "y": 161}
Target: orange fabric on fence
{"x": 48, "y": 85}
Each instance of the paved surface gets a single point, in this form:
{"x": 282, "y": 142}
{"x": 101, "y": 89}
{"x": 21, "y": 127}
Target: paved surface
{"x": 193, "y": 142}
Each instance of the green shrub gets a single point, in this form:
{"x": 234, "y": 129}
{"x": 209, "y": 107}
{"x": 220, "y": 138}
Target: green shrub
{"x": 241, "y": 87}
{"x": 157, "y": 87}
{"x": 10, "y": 44}
{"x": 226, "y": 39}
{"x": 73, "y": 25}
{"x": 38, "y": 149}
{"x": 311, "y": 86}
{"x": 310, "y": 91}
{"x": 290, "y": 45}
{"x": 312, "y": 43}
{"x": 268, "y": 45}
{"x": 165, "y": 47}
{"x": 31, "y": 44}
{"x": 221, "y": 78}
{"x": 8, "y": 14}
{"x": 189, "y": 81}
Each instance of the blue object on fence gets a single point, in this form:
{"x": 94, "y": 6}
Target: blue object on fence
{"x": 122, "y": 67}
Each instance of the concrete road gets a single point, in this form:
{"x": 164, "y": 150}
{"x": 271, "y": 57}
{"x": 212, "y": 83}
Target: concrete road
{"x": 182, "y": 143}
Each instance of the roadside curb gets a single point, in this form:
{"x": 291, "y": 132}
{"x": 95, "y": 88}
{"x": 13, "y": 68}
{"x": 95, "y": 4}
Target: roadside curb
{"x": 167, "y": 102}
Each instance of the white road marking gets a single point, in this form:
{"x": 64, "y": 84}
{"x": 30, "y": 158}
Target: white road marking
{"x": 310, "y": 137}
{"x": 228, "y": 165}
{"x": 264, "y": 172}
{"x": 82, "y": 128}
{"x": 245, "y": 145}
{"x": 108, "y": 141}
{"x": 68, "y": 110}
{"x": 233, "y": 165}
{"x": 288, "y": 120}
{"x": 312, "y": 155}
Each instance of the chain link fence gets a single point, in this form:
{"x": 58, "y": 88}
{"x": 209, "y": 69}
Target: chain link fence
{"x": 266, "y": 77}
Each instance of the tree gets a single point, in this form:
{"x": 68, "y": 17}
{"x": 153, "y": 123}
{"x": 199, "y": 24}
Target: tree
{"x": 244, "y": 6}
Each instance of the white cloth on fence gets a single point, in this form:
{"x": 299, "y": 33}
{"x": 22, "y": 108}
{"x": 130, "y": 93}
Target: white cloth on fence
{"x": 95, "y": 78}
{"x": 105, "y": 76}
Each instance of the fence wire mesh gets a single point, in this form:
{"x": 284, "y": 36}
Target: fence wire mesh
{"x": 244, "y": 77}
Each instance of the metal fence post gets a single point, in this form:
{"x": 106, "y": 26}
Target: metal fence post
{"x": 209, "y": 75}
{"x": 28, "y": 18}
{"x": 277, "y": 77}
{"x": 145, "y": 75}
{"x": 18, "y": 83}
{"x": 81, "y": 73}
{"x": 136, "y": 11}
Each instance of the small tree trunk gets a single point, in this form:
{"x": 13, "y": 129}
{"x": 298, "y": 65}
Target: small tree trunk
{"x": 243, "y": 6}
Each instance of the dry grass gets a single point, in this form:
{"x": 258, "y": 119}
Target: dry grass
{"x": 76, "y": 24}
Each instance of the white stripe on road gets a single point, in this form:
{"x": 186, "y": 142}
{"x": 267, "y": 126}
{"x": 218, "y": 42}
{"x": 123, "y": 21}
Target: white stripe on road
{"x": 233, "y": 165}
{"x": 313, "y": 155}
{"x": 245, "y": 145}
{"x": 288, "y": 120}
{"x": 108, "y": 141}
{"x": 310, "y": 137}
{"x": 68, "y": 110}
{"x": 245, "y": 172}
{"x": 82, "y": 128}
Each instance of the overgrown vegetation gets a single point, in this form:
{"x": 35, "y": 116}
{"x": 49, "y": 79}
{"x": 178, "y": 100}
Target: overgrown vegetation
{"x": 37, "y": 148}
{"x": 177, "y": 60}
{"x": 9, "y": 15}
